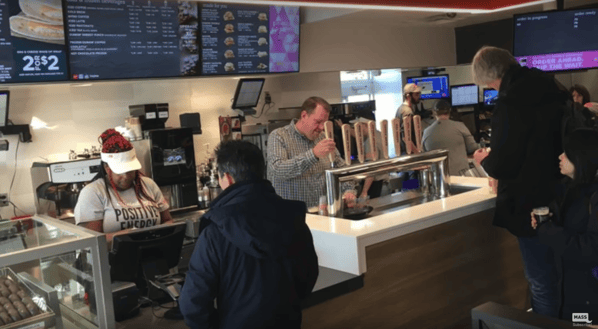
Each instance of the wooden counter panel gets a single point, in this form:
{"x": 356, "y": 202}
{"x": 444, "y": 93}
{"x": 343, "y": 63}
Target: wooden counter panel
{"x": 430, "y": 279}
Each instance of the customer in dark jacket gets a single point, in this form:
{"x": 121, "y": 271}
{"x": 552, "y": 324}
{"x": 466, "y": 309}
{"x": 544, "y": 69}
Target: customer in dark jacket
{"x": 255, "y": 257}
{"x": 573, "y": 231}
{"x": 525, "y": 145}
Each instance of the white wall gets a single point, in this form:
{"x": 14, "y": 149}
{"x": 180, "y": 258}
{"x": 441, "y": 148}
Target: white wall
{"x": 589, "y": 80}
{"x": 354, "y": 44}
{"x": 78, "y": 116}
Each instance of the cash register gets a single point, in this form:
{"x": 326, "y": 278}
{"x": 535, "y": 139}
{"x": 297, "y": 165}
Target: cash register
{"x": 140, "y": 264}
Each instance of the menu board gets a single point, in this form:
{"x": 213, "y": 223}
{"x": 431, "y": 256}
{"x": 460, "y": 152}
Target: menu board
{"x": 242, "y": 39}
{"x": 32, "y": 47}
{"x": 112, "y": 39}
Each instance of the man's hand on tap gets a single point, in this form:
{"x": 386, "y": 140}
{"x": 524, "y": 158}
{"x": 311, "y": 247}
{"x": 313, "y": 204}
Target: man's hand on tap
{"x": 324, "y": 147}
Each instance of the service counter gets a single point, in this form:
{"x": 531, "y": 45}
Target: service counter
{"x": 413, "y": 265}
{"x": 423, "y": 265}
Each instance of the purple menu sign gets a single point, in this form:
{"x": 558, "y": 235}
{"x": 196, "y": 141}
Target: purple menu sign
{"x": 561, "y": 61}
{"x": 284, "y": 39}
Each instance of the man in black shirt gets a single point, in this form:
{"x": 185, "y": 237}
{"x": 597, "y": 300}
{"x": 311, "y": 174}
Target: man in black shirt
{"x": 525, "y": 145}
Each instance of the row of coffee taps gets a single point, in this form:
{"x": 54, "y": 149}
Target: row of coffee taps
{"x": 412, "y": 126}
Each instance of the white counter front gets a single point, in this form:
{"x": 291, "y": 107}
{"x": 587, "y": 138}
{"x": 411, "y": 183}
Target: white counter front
{"x": 340, "y": 243}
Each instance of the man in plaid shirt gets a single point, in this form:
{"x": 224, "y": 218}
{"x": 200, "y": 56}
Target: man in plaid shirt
{"x": 298, "y": 155}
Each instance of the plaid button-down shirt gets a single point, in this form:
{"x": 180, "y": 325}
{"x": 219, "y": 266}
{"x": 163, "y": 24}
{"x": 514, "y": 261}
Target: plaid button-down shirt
{"x": 295, "y": 172}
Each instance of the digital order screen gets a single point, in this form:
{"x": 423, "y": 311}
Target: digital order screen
{"x": 490, "y": 96}
{"x": 557, "y": 41}
{"x": 433, "y": 87}
{"x": 464, "y": 95}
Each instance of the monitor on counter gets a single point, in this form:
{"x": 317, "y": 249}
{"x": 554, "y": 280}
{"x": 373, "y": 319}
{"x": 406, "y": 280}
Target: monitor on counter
{"x": 557, "y": 40}
{"x": 248, "y": 93}
{"x": 433, "y": 87}
{"x": 490, "y": 97}
{"x": 4, "y": 108}
{"x": 156, "y": 249}
{"x": 464, "y": 95}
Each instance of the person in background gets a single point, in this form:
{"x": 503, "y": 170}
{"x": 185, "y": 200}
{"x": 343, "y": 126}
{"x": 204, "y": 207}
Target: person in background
{"x": 580, "y": 94}
{"x": 525, "y": 145}
{"x": 120, "y": 197}
{"x": 450, "y": 135}
{"x": 573, "y": 230}
{"x": 298, "y": 156}
{"x": 412, "y": 96}
{"x": 256, "y": 255}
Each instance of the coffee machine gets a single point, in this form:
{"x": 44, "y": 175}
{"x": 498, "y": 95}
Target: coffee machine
{"x": 56, "y": 185}
{"x": 168, "y": 157}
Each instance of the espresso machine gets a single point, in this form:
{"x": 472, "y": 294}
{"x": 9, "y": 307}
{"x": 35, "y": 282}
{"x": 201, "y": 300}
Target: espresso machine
{"x": 168, "y": 157}
{"x": 56, "y": 185}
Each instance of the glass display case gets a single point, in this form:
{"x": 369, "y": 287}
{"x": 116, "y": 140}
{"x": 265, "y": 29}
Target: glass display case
{"x": 62, "y": 268}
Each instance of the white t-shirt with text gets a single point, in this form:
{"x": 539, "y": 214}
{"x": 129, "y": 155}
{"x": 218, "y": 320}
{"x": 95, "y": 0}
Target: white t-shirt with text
{"x": 94, "y": 204}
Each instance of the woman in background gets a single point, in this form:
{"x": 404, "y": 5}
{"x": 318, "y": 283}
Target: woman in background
{"x": 120, "y": 197}
{"x": 580, "y": 94}
{"x": 573, "y": 232}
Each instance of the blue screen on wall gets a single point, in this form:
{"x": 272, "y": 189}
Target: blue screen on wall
{"x": 433, "y": 87}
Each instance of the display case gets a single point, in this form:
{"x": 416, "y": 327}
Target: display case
{"x": 63, "y": 268}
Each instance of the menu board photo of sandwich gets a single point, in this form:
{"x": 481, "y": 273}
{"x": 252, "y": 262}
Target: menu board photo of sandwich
{"x": 32, "y": 46}
{"x": 238, "y": 39}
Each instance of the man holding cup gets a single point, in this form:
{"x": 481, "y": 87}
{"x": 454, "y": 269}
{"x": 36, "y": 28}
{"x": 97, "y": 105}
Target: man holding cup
{"x": 525, "y": 145}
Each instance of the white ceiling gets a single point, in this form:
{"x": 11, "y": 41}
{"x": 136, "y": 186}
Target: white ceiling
{"x": 415, "y": 18}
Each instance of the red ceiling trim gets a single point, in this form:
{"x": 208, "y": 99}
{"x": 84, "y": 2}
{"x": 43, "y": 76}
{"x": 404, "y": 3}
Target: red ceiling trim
{"x": 440, "y": 4}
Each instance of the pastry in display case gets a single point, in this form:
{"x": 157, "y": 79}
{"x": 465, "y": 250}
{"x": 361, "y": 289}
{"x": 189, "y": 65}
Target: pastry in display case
{"x": 53, "y": 275}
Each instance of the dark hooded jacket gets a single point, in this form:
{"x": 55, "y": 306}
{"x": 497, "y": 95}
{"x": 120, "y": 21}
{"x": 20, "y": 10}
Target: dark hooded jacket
{"x": 256, "y": 257}
{"x": 573, "y": 235}
{"x": 525, "y": 146}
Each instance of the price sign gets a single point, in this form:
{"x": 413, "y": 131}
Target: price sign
{"x": 31, "y": 47}
{"x": 40, "y": 63}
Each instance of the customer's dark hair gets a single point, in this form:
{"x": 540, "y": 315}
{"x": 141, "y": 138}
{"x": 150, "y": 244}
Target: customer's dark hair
{"x": 583, "y": 91}
{"x": 442, "y": 107}
{"x": 310, "y": 104}
{"x": 581, "y": 148}
{"x": 240, "y": 159}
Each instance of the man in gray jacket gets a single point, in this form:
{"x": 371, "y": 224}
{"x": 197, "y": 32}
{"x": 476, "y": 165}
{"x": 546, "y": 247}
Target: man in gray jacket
{"x": 450, "y": 135}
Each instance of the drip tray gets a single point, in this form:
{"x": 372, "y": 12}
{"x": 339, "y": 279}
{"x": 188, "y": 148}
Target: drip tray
{"x": 403, "y": 200}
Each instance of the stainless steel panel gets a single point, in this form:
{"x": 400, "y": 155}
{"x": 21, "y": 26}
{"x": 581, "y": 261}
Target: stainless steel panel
{"x": 434, "y": 162}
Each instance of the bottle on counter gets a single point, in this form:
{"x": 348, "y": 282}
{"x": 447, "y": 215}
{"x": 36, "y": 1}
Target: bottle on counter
{"x": 215, "y": 188}
{"x": 206, "y": 196}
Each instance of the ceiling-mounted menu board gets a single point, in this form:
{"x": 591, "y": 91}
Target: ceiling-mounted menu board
{"x": 131, "y": 39}
{"x": 241, "y": 39}
{"x": 124, "y": 39}
{"x": 32, "y": 41}
{"x": 114, "y": 39}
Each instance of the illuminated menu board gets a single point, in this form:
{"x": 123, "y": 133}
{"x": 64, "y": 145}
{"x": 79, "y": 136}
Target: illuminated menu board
{"x": 132, "y": 39}
{"x": 243, "y": 39}
{"x": 32, "y": 46}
